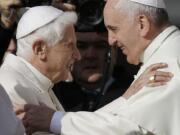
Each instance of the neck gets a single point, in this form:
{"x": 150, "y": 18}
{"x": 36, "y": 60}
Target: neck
{"x": 40, "y": 66}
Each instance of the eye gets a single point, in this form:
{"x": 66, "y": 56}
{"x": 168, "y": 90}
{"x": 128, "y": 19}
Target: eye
{"x": 113, "y": 29}
{"x": 69, "y": 45}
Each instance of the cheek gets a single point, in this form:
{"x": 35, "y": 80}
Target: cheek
{"x": 133, "y": 57}
{"x": 132, "y": 51}
{"x": 69, "y": 55}
{"x": 61, "y": 62}
{"x": 130, "y": 43}
{"x": 66, "y": 58}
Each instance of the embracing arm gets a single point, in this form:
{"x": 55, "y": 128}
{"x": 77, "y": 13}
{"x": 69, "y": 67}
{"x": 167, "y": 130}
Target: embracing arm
{"x": 104, "y": 121}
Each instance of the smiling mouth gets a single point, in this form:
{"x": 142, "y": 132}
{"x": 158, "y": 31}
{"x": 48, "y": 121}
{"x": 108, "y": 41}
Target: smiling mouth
{"x": 122, "y": 48}
{"x": 70, "y": 67}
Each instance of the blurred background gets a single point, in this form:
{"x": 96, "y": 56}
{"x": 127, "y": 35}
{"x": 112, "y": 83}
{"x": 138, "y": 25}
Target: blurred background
{"x": 173, "y": 7}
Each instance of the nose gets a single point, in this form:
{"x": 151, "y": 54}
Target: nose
{"x": 76, "y": 54}
{"x": 112, "y": 40}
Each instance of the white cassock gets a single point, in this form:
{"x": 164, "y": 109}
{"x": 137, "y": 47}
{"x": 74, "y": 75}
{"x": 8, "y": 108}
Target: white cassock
{"x": 25, "y": 84}
{"x": 152, "y": 109}
{"x": 9, "y": 123}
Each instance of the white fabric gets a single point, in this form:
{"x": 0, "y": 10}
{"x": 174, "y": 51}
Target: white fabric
{"x": 155, "y": 110}
{"x": 153, "y": 3}
{"x": 28, "y": 23}
{"x": 55, "y": 124}
{"x": 9, "y": 123}
{"x": 25, "y": 84}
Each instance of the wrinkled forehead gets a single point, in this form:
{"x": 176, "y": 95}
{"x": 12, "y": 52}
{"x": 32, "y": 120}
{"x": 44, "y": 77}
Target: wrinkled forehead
{"x": 112, "y": 13}
{"x": 91, "y": 36}
{"x": 113, "y": 18}
{"x": 68, "y": 34}
{"x": 111, "y": 4}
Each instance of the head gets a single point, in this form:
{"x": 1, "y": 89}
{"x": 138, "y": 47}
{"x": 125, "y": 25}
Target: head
{"x": 132, "y": 26}
{"x": 49, "y": 44}
{"x": 90, "y": 70}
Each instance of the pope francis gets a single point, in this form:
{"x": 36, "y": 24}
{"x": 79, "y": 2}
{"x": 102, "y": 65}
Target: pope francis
{"x": 142, "y": 30}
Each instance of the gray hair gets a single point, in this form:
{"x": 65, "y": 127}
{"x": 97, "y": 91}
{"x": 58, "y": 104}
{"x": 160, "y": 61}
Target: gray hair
{"x": 158, "y": 16}
{"x": 51, "y": 33}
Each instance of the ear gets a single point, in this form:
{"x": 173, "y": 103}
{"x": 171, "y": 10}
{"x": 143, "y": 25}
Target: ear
{"x": 144, "y": 25}
{"x": 40, "y": 49}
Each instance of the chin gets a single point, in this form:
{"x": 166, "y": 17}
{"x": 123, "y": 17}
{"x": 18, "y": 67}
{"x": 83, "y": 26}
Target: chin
{"x": 62, "y": 77}
{"x": 133, "y": 61}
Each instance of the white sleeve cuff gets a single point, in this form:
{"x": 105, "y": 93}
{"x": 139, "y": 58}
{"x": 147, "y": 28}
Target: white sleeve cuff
{"x": 55, "y": 125}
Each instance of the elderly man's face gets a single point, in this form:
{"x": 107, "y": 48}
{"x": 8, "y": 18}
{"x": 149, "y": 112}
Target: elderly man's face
{"x": 62, "y": 56}
{"x": 93, "y": 48}
{"x": 122, "y": 32}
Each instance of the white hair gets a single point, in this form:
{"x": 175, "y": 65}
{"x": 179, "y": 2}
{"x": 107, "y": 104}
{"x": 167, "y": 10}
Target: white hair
{"x": 158, "y": 16}
{"x": 51, "y": 33}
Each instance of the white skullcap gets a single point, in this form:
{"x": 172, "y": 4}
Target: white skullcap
{"x": 153, "y": 3}
{"x": 35, "y": 18}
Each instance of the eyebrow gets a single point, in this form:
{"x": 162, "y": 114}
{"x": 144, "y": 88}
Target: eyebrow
{"x": 111, "y": 27}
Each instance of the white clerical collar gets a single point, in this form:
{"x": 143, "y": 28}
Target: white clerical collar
{"x": 156, "y": 43}
{"x": 45, "y": 83}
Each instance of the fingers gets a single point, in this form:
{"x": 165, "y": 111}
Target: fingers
{"x": 162, "y": 79}
{"x": 28, "y": 122}
{"x": 159, "y": 78}
{"x": 28, "y": 107}
{"x": 21, "y": 115}
{"x": 152, "y": 77}
{"x": 163, "y": 76}
{"x": 18, "y": 109}
{"x": 157, "y": 66}
{"x": 156, "y": 84}
{"x": 22, "y": 108}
